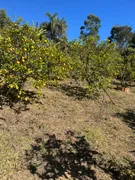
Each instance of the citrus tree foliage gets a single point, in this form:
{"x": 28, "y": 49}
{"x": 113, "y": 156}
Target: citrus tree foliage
{"x": 96, "y": 63}
{"x": 124, "y": 39}
{"x": 23, "y": 56}
{"x": 127, "y": 68}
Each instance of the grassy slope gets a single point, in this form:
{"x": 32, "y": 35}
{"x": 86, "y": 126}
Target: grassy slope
{"x": 102, "y": 124}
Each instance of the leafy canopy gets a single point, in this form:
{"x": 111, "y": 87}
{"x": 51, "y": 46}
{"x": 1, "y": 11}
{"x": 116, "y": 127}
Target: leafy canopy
{"x": 55, "y": 28}
{"x": 91, "y": 26}
{"x": 24, "y": 56}
{"x": 121, "y": 35}
{"x": 97, "y": 64}
{"x": 4, "y": 19}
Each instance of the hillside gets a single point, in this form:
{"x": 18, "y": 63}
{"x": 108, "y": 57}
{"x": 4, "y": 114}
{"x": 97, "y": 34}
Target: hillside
{"x": 69, "y": 135}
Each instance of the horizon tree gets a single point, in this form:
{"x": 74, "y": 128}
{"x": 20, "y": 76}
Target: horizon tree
{"x": 55, "y": 28}
{"x": 91, "y": 26}
{"x": 4, "y": 19}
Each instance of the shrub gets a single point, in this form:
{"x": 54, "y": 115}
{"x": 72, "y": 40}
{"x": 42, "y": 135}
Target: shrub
{"x": 98, "y": 63}
{"x": 25, "y": 55}
{"x": 127, "y": 69}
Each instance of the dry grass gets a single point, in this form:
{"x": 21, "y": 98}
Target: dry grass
{"x": 56, "y": 113}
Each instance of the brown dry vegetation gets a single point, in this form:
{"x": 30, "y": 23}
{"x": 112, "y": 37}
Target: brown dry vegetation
{"x": 108, "y": 129}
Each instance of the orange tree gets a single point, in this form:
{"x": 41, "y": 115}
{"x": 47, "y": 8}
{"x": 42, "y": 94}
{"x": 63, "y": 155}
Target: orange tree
{"x": 25, "y": 55}
{"x": 95, "y": 63}
{"x": 127, "y": 70}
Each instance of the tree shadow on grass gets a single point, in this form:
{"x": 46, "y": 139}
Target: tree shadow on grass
{"x": 128, "y": 117}
{"x": 70, "y": 159}
{"x": 55, "y": 158}
{"x": 8, "y": 98}
{"x": 77, "y": 92}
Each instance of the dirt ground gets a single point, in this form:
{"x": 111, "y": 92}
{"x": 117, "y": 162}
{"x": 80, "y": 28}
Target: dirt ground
{"x": 108, "y": 129}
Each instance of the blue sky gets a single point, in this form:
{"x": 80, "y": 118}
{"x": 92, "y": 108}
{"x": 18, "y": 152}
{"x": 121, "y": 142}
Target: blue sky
{"x": 111, "y": 12}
